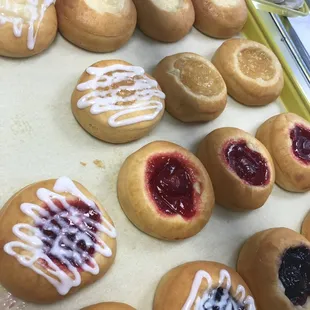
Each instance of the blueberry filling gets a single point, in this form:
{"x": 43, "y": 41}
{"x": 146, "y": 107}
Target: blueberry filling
{"x": 294, "y": 274}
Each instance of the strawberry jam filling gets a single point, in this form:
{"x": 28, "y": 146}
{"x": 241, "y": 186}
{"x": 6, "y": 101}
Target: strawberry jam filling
{"x": 170, "y": 182}
{"x": 69, "y": 235}
{"x": 249, "y": 165}
{"x": 300, "y": 137}
{"x": 294, "y": 274}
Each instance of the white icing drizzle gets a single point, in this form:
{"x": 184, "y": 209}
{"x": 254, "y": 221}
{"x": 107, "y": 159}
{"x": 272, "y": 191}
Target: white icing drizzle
{"x": 207, "y": 301}
{"x": 27, "y": 13}
{"x": 124, "y": 100}
{"x": 32, "y": 238}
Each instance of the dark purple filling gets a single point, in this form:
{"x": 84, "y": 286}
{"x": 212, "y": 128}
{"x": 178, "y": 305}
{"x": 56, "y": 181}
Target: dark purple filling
{"x": 249, "y": 165}
{"x": 300, "y": 137}
{"x": 60, "y": 225}
{"x": 171, "y": 185}
{"x": 221, "y": 299}
{"x": 294, "y": 273}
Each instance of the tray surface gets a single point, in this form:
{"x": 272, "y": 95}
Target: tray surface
{"x": 40, "y": 139}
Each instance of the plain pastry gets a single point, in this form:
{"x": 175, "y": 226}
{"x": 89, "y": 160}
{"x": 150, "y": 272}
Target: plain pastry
{"x": 166, "y": 21}
{"x": 275, "y": 263}
{"x": 240, "y": 168}
{"x": 203, "y": 285}
{"x": 252, "y": 72}
{"x": 117, "y": 102}
{"x": 195, "y": 91}
{"x": 165, "y": 191}
{"x": 109, "y": 306}
{"x": 220, "y": 18}
{"x": 287, "y": 138}
{"x": 97, "y": 26}
{"x": 26, "y": 27}
{"x": 55, "y": 238}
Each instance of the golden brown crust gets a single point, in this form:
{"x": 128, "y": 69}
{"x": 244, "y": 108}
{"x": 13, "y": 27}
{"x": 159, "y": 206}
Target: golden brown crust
{"x": 195, "y": 90}
{"x": 252, "y": 72}
{"x": 259, "y": 262}
{"x": 141, "y": 210}
{"x": 16, "y": 47}
{"x": 291, "y": 174}
{"x": 230, "y": 191}
{"x": 305, "y": 228}
{"x": 98, "y": 126}
{"x": 175, "y": 286}
{"x": 220, "y": 20}
{"x": 109, "y": 306}
{"x": 23, "y": 282}
{"x": 95, "y": 31}
{"x": 164, "y": 25}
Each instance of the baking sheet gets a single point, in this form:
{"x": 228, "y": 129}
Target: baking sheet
{"x": 40, "y": 139}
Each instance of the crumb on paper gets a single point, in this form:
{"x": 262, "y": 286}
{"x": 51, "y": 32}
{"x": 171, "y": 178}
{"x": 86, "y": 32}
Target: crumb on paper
{"x": 99, "y": 163}
{"x": 83, "y": 164}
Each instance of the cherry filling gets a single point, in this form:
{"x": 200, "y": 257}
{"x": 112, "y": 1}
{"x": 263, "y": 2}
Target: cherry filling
{"x": 300, "y": 137}
{"x": 170, "y": 184}
{"x": 220, "y": 299}
{"x": 294, "y": 273}
{"x": 69, "y": 235}
{"x": 249, "y": 165}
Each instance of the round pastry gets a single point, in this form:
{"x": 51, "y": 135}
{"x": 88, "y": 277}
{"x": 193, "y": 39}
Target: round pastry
{"x": 26, "y": 27}
{"x": 165, "y": 191}
{"x": 97, "y": 26}
{"x": 275, "y": 263}
{"x": 240, "y": 168}
{"x": 166, "y": 21}
{"x": 287, "y": 138}
{"x": 220, "y": 18}
{"x": 117, "y": 102}
{"x": 194, "y": 88}
{"x": 109, "y": 306}
{"x": 252, "y": 72}
{"x": 55, "y": 239}
{"x": 203, "y": 285}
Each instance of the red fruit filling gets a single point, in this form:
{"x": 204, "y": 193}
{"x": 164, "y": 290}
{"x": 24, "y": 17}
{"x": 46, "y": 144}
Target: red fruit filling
{"x": 294, "y": 274}
{"x": 300, "y": 137}
{"x": 171, "y": 184}
{"x": 69, "y": 235}
{"x": 249, "y": 165}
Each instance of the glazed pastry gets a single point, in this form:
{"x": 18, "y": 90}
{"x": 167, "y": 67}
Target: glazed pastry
{"x": 55, "y": 239}
{"x": 97, "y": 26}
{"x": 252, "y": 72}
{"x": 203, "y": 285}
{"x": 109, "y": 306}
{"x": 117, "y": 102}
{"x": 27, "y": 27}
{"x": 166, "y": 21}
{"x": 220, "y": 18}
{"x": 287, "y": 138}
{"x": 194, "y": 88}
{"x": 240, "y": 168}
{"x": 165, "y": 191}
{"x": 305, "y": 229}
{"x": 275, "y": 263}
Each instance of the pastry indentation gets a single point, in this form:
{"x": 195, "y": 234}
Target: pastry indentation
{"x": 294, "y": 274}
{"x": 171, "y": 185}
{"x": 199, "y": 77}
{"x": 248, "y": 164}
{"x": 256, "y": 64}
{"x": 300, "y": 137}
{"x": 123, "y": 92}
